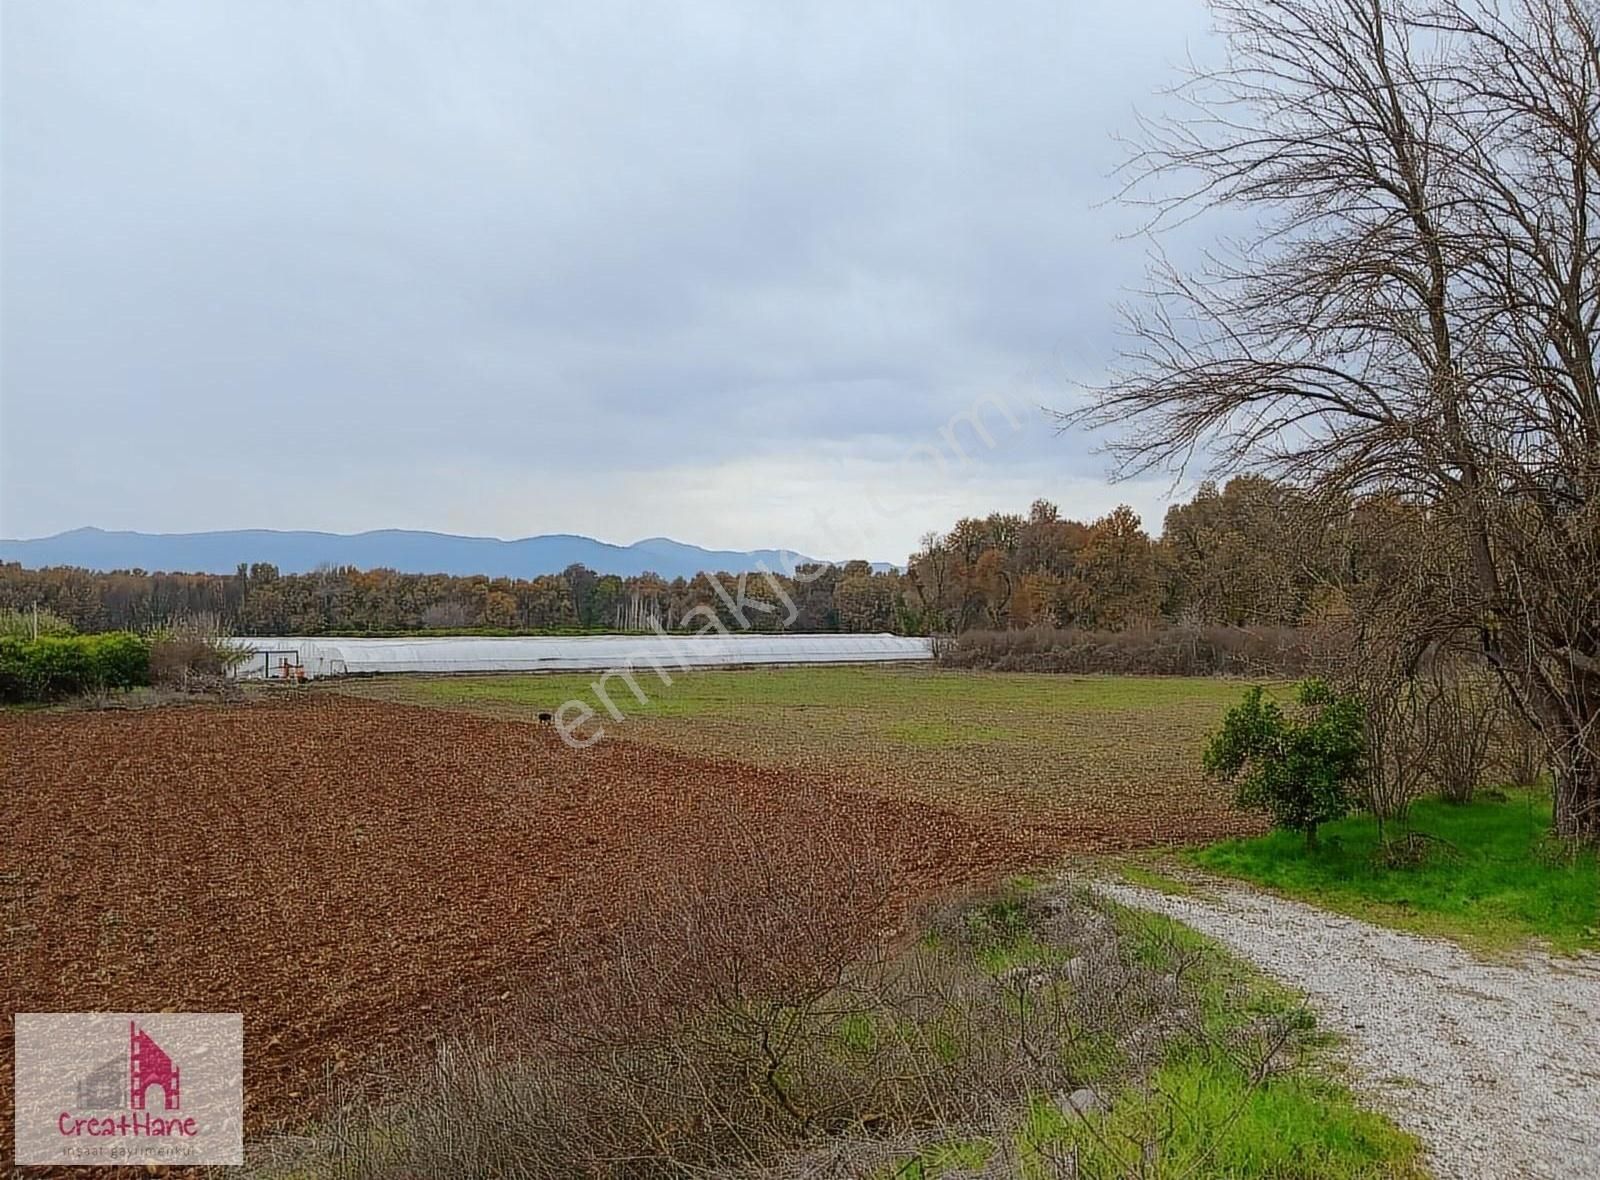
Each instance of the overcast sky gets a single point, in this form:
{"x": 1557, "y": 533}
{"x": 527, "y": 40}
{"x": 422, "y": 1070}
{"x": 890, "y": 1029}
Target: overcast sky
{"x": 721, "y": 272}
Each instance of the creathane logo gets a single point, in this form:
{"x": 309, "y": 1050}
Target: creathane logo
{"x": 148, "y": 1065}
{"x": 96, "y": 1089}
{"x": 126, "y": 1124}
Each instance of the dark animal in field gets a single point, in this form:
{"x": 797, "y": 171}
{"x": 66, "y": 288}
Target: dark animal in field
{"x": 545, "y": 717}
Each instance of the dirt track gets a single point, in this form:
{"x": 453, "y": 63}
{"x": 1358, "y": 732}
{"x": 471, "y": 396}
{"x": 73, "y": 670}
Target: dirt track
{"x": 1493, "y": 1065}
{"x": 345, "y": 871}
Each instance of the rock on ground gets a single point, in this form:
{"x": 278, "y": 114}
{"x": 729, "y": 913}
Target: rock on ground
{"x": 1495, "y": 1067}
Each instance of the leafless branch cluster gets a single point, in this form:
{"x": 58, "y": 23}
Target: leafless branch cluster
{"x": 1414, "y": 314}
{"x": 1472, "y": 717}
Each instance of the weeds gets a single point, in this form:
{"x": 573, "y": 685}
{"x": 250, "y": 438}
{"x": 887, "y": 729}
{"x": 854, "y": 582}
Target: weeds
{"x": 1023, "y": 1033}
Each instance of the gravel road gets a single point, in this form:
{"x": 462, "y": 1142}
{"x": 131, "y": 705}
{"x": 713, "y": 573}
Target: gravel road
{"x": 1496, "y": 1067}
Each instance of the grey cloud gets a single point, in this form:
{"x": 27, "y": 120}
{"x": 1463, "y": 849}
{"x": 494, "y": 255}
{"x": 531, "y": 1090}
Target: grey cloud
{"x": 414, "y": 237}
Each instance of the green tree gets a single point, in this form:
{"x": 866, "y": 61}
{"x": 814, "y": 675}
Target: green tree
{"x": 1299, "y": 767}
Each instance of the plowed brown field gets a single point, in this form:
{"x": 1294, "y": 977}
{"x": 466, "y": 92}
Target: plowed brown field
{"x": 345, "y": 871}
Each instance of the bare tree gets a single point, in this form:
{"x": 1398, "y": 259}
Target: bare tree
{"x": 1467, "y": 706}
{"x": 1401, "y": 726}
{"x": 1415, "y": 314}
{"x": 929, "y": 575}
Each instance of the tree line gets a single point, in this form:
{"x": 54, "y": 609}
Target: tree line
{"x": 1251, "y": 551}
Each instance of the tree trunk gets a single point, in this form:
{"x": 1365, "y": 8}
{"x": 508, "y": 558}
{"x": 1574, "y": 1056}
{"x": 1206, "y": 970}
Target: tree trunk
{"x": 1566, "y": 711}
{"x": 1577, "y": 801}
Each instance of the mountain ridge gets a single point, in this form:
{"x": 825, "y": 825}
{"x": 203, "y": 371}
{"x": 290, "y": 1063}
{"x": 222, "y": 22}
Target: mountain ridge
{"x": 416, "y": 551}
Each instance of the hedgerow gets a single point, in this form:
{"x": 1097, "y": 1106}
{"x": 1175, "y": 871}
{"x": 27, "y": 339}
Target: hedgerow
{"x": 55, "y": 666}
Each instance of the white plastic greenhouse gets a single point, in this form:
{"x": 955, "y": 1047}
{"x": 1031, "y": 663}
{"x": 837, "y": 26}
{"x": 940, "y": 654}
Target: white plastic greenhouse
{"x": 283, "y": 658}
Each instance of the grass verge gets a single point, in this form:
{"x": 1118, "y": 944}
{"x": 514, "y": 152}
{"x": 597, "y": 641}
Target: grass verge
{"x": 1285, "y": 1128}
{"x": 1490, "y": 878}
{"x": 1245, "y": 1091}
{"x": 1151, "y": 878}
{"x": 1274, "y": 1110}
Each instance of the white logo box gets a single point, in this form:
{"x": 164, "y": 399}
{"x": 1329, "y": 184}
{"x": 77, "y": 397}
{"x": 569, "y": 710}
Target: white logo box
{"x": 100, "y": 1088}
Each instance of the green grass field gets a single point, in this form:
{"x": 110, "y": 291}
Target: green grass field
{"x": 898, "y": 693}
{"x": 1492, "y": 884}
{"x": 1103, "y": 762}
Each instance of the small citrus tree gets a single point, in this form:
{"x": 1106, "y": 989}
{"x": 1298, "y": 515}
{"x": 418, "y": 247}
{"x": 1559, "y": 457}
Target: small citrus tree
{"x": 1301, "y": 766}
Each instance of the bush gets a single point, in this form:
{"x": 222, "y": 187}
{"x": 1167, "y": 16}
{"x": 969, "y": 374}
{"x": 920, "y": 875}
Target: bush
{"x": 1519, "y": 752}
{"x": 1177, "y": 650}
{"x": 193, "y": 651}
{"x": 1402, "y": 732}
{"x": 56, "y": 666}
{"x": 1299, "y": 768}
{"x": 1468, "y": 703}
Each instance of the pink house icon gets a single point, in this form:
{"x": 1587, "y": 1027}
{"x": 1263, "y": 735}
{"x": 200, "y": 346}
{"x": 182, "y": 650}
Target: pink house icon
{"x": 149, "y": 1065}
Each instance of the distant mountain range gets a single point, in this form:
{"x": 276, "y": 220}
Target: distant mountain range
{"x": 400, "y": 549}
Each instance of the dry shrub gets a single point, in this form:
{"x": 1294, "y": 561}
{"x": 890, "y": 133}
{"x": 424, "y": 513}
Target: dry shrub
{"x": 762, "y": 1015}
{"x": 26, "y": 624}
{"x": 1400, "y": 678}
{"x": 1467, "y": 705}
{"x": 1518, "y": 750}
{"x": 1175, "y": 650}
{"x": 1436, "y": 715}
{"x": 193, "y": 653}
{"x": 1402, "y": 737}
